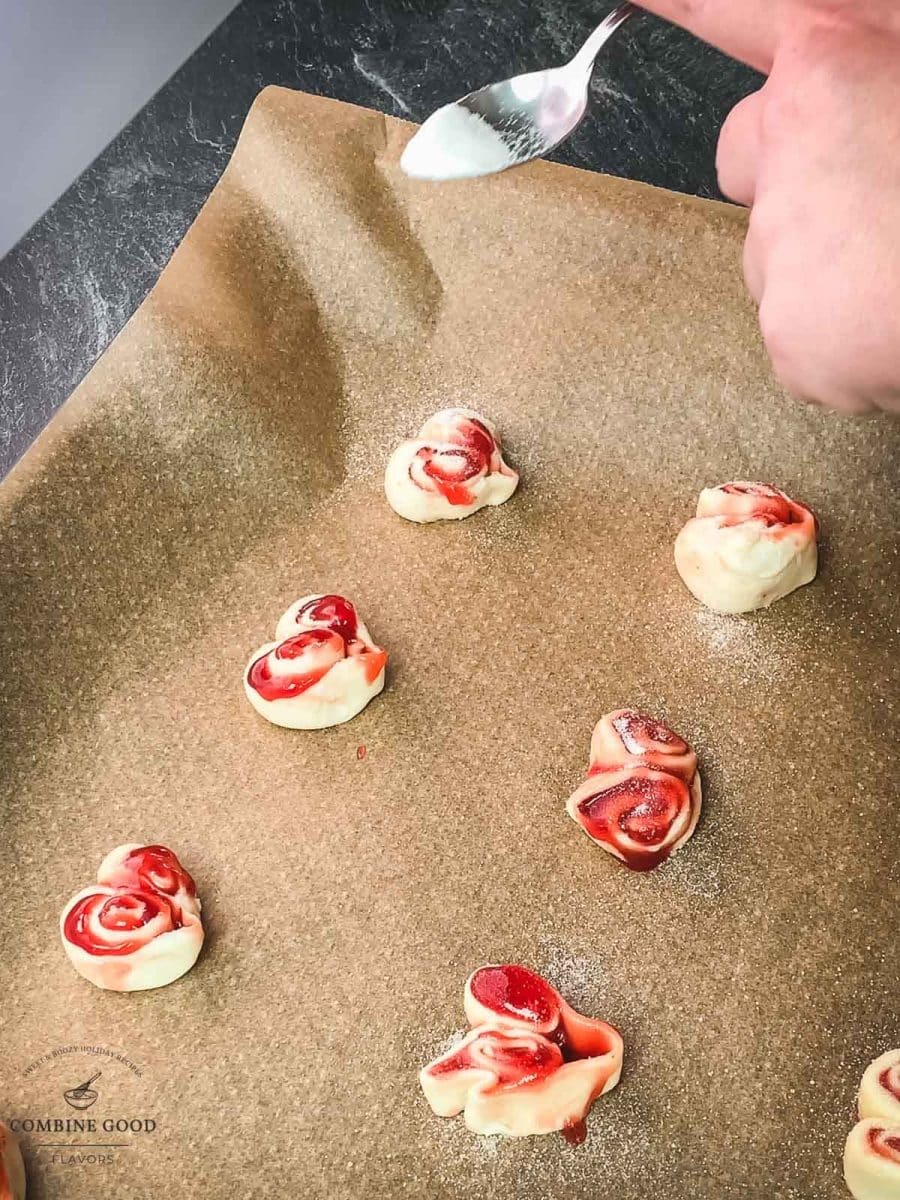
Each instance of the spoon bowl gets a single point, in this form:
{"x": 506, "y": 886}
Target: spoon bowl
{"x": 510, "y": 122}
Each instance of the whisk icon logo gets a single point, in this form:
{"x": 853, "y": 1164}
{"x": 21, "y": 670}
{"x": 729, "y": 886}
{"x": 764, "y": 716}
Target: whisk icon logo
{"x": 83, "y": 1095}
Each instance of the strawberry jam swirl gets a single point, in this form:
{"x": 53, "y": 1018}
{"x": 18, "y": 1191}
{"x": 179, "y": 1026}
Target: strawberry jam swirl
{"x": 879, "y": 1091}
{"x": 329, "y": 628}
{"x": 737, "y": 502}
{"x": 329, "y": 612}
{"x": 151, "y": 868}
{"x": 513, "y": 1059}
{"x": 641, "y": 800}
{"x": 120, "y": 923}
{"x": 530, "y": 1063}
{"x": 139, "y": 926}
{"x": 312, "y": 654}
{"x": 468, "y": 453}
{"x": 452, "y": 468}
{"x": 886, "y": 1143}
{"x": 322, "y": 670}
{"x": 889, "y": 1080}
{"x": 872, "y": 1160}
{"x": 515, "y": 994}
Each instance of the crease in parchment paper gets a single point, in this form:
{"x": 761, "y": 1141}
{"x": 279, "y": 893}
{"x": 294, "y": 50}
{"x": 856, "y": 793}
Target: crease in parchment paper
{"x": 355, "y": 243}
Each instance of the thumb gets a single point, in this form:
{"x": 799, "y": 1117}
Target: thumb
{"x": 745, "y": 29}
{"x": 737, "y": 157}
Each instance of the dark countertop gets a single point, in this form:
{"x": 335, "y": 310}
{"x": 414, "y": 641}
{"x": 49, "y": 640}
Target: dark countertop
{"x": 66, "y": 289}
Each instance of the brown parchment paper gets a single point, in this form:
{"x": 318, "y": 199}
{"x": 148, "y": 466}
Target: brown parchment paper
{"x": 225, "y": 457}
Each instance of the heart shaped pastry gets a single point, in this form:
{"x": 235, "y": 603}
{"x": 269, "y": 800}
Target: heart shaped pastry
{"x": 879, "y": 1091}
{"x": 748, "y": 546}
{"x": 642, "y": 798}
{"x": 452, "y": 468}
{"x": 872, "y": 1160}
{"x": 530, "y": 1064}
{"x": 139, "y": 925}
{"x": 323, "y": 669}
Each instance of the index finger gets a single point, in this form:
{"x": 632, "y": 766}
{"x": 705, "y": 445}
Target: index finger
{"x": 745, "y": 29}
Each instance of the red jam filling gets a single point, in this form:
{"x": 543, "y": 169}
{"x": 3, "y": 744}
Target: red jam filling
{"x": 480, "y": 438}
{"x": 514, "y": 991}
{"x": 514, "y": 1064}
{"x": 334, "y": 638}
{"x": 450, "y": 467}
{"x": 332, "y": 611}
{"x": 640, "y": 733}
{"x": 885, "y": 1144}
{"x": 123, "y": 912}
{"x": 638, "y": 809}
{"x": 283, "y": 687}
{"x": 574, "y": 1132}
{"x": 157, "y": 868}
{"x": 449, "y": 477}
{"x": 763, "y": 503}
{"x": 889, "y": 1079}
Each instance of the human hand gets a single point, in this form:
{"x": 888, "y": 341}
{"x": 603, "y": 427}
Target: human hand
{"x": 816, "y": 154}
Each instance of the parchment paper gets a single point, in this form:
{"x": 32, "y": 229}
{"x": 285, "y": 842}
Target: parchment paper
{"x": 225, "y": 457}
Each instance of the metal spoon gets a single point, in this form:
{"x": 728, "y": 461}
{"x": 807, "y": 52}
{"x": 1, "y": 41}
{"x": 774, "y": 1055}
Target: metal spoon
{"x": 511, "y": 122}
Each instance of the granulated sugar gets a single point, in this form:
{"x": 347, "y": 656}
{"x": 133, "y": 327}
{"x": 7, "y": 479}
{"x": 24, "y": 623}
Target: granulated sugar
{"x": 582, "y": 981}
{"x": 618, "y": 1147}
{"x": 367, "y": 447}
{"x": 438, "y": 1049}
{"x": 699, "y": 869}
{"x": 455, "y": 143}
{"x": 742, "y": 640}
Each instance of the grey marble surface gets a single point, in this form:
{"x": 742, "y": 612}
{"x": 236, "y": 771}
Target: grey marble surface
{"x": 67, "y": 288}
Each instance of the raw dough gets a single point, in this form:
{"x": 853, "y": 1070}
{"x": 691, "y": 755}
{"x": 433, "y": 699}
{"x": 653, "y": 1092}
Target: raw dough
{"x": 748, "y": 546}
{"x": 879, "y": 1092}
{"x": 642, "y": 798}
{"x": 872, "y": 1160}
{"x": 451, "y": 469}
{"x": 139, "y": 926}
{"x": 530, "y": 1064}
{"x": 323, "y": 669}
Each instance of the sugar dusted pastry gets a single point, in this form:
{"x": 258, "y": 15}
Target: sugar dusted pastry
{"x": 323, "y": 669}
{"x": 748, "y": 546}
{"x": 872, "y": 1160}
{"x": 641, "y": 800}
{"x": 453, "y": 467}
{"x": 879, "y": 1092}
{"x": 529, "y": 1065}
{"x": 139, "y": 926}
{"x": 12, "y": 1169}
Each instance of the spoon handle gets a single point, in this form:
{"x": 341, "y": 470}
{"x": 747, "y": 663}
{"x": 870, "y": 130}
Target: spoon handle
{"x": 592, "y": 47}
